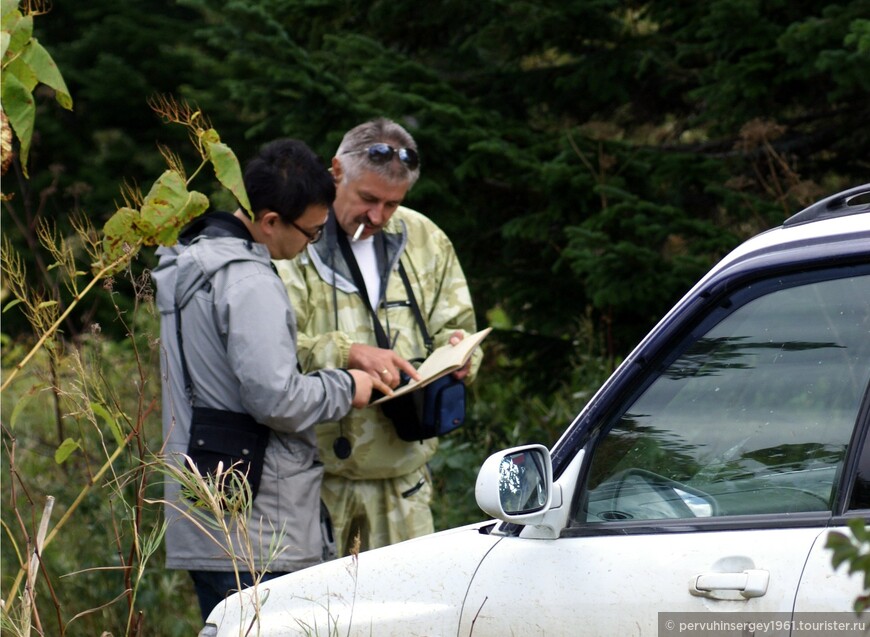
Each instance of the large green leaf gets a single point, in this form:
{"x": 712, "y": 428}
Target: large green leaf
{"x": 25, "y": 64}
{"x": 10, "y": 12}
{"x": 5, "y": 39}
{"x": 20, "y": 27}
{"x": 67, "y": 447}
{"x": 7, "y": 8}
{"x": 167, "y": 209}
{"x": 22, "y": 70}
{"x": 19, "y": 107}
{"x": 226, "y": 167}
{"x": 46, "y": 71}
{"x": 119, "y": 237}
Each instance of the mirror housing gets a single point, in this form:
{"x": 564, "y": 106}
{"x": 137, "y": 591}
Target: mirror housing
{"x": 516, "y": 485}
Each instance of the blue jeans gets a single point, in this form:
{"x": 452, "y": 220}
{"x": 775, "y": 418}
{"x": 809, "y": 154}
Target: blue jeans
{"x": 213, "y": 586}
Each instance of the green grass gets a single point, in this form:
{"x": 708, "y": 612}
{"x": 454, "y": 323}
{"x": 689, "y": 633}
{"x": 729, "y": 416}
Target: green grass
{"x": 81, "y": 585}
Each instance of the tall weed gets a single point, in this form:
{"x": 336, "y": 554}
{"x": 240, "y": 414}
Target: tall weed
{"x": 102, "y": 568}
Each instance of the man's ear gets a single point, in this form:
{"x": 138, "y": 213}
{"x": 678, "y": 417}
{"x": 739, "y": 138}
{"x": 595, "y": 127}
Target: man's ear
{"x": 268, "y": 222}
{"x": 337, "y": 172}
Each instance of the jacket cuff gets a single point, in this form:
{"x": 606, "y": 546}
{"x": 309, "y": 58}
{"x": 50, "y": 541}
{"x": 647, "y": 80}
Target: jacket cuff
{"x": 343, "y": 342}
{"x": 352, "y": 383}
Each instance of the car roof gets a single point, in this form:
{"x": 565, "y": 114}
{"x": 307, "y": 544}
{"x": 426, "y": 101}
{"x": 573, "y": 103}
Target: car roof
{"x": 844, "y": 203}
{"x": 835, "y": 228}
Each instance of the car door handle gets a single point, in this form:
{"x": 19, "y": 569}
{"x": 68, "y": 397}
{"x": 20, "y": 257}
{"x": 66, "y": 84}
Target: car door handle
{"x": 749, "y": 583}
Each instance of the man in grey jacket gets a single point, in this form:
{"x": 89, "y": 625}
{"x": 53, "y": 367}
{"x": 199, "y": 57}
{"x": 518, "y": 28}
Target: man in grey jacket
{"x": 238, "y": 344}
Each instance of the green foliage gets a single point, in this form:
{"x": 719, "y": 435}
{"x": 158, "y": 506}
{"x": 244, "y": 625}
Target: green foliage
{"x": 166, "y": 209}
{"x": 659, "y": 247}
{"x": 589, "y": 160}
{"x": 25, "y": 64}
{"x": 854, "y": 550}
{"x": 106, "y": 413}
{"x": 98, "y": 386}
{"x": 721, "y": 117}
{"x": 226, "y": 169}
{"x": 155, "y": 220}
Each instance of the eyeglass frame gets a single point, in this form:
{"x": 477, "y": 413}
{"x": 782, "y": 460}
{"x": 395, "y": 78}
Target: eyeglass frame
{"x": 382, "y": 153}
{"x": 313, "y": 237}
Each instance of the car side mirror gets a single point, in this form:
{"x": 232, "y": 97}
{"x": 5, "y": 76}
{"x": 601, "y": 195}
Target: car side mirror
{"x": 516, "y": 485}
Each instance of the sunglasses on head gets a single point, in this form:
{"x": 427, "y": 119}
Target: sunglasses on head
{"x": 382, "y": 153}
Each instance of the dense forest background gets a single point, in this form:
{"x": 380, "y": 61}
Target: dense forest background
{"x": 590, "y": 160}
{"x": 584, "y": 156}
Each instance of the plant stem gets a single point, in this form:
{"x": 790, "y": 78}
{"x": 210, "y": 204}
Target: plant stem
{"x": 69, "y": 512}
{"x": 33, "y": 568}
{"x": 196, "y": 172}
{"x": 97, "y": 277}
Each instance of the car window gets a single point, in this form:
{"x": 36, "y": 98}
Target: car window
{"x": 860, "y": 496}
{"x": 753, "y": 417}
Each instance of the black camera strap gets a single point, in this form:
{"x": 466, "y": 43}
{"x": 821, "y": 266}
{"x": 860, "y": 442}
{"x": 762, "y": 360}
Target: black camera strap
{"x": 350, "y": 259}
{"x": 416, "y": 309}
{"x": 413, "y": 415}
{"x": 380, "y": 334}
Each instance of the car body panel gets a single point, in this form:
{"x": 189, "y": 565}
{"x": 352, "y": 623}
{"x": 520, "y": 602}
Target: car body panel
{"x": 824, "y": 589}
{"x": 411, "y": 588}
{"x": 606, "y": 585}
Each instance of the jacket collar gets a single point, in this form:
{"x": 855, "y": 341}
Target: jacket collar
{"x": 215, "y": 224}
{"x": 326, "y": 254}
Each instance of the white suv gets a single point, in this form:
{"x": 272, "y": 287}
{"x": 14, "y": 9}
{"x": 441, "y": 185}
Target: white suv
{"x": 700, "y": 482}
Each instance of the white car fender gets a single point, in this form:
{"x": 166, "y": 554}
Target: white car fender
{"x": 415, "y": 587}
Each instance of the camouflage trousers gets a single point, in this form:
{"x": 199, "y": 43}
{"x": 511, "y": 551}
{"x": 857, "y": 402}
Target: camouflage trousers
{"x": 380, "y": 512}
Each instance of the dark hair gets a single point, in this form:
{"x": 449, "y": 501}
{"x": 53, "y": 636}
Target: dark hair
{"x": 287, "y": 177}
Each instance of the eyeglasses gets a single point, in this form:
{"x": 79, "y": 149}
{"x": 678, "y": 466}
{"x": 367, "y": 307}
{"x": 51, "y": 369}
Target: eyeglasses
{"x": 313, "y": 237}
{"x": 382, "y": 153}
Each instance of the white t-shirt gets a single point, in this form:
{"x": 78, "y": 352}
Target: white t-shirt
{"x": 364, "y": 252}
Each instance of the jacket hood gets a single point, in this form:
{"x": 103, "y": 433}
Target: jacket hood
{"x": 206, "y": 255}
{"x": 210, "y": 243}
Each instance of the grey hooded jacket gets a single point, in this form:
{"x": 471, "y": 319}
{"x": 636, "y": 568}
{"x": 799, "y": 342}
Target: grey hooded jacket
{"x": 239, "y": 339}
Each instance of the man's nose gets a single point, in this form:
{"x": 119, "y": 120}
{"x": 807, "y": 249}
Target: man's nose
{"x": 376, "y": 214}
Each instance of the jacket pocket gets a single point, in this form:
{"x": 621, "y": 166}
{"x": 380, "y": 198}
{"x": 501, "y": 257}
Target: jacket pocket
{"x": 290, "y": 456}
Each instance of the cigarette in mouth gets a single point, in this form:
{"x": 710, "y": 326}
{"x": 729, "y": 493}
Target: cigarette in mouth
{"x": 359, "y": 231}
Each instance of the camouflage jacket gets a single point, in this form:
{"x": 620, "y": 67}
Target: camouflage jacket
{"x": 332, "y": 315}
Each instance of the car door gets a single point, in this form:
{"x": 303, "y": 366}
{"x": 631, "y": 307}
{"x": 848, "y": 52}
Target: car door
{"x": 705, "y": 487}
{"x": 822, "y": 590}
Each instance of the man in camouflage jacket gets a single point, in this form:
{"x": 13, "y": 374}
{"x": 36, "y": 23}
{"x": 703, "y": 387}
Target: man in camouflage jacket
{"x": 376, "y": 485}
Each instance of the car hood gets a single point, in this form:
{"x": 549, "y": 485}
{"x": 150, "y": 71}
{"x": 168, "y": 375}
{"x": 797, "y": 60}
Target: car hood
{"x": 415, "y": 587}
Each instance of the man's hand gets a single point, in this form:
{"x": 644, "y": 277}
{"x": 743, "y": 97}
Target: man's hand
{"x": 383, "y": 364}
{"x": 365, "y": 384}
{"x": 463, "y": 371}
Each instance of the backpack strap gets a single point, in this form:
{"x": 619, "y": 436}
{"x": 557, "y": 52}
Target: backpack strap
{"x": 188, "y": 382}
{"x": 209, "y": 224}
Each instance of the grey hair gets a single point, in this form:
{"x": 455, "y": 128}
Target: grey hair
{"x": 380, "y": 130}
